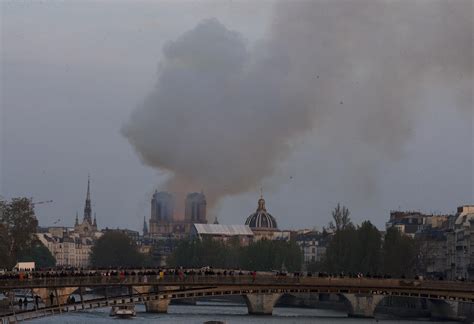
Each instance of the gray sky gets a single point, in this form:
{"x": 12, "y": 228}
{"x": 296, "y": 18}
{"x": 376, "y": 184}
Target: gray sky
{"x": 72, "y": 73}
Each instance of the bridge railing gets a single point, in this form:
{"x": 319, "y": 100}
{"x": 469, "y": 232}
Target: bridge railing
{"x": 144, "y": 280}
{"x": 240, "y": 280}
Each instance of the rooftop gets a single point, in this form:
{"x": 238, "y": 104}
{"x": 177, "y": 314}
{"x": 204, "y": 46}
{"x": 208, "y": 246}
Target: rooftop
{"x": 218, "y": 229}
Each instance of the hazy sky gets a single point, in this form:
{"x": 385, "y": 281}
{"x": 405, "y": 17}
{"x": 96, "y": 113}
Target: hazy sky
{"x": 72, "y": 73}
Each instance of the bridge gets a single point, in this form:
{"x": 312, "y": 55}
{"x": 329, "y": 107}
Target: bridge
{"x": 261, "y": 292}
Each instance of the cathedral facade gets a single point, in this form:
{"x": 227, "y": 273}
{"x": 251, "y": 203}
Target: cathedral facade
{"x": 163, "y": 221}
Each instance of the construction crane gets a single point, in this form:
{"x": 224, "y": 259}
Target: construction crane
{"x": 41, "y": 202}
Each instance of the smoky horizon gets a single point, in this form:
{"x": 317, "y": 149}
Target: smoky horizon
{"x": 364, "y": 103}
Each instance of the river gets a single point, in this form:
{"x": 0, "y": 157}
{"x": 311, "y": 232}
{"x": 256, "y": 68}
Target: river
{"x": 229, "y": 313}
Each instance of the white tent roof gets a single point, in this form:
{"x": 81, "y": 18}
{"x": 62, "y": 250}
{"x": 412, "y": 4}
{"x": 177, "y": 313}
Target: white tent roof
{"x": 218, "y": 229}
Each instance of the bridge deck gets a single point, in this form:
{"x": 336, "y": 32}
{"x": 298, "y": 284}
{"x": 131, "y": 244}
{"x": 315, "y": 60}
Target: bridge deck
{"x": 172, "y": 287}
{"x": 196, "y": 280}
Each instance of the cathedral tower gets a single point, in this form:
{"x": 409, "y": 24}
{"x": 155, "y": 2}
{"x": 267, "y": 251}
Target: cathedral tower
{"x": 195, "y": 208}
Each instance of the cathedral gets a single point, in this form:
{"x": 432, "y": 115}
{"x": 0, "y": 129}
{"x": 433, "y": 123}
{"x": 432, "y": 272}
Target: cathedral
{"x": 88, "y": 226}
{"x": 162, "y": 218}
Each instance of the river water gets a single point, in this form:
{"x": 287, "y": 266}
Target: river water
{"x": 229, "y": 313}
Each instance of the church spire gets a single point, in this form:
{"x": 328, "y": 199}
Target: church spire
{"x": 87, "y": 207}
{"x": 77, "y": 220}
{"x": 88, "y": 195}
{"x": 145, "y": 227}
{"x": 95, "y": 221}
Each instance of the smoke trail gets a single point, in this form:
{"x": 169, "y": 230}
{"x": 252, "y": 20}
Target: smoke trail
{"x": 221, "y": 115}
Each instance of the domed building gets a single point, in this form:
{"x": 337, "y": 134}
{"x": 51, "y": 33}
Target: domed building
{"x": 262, "y": 223}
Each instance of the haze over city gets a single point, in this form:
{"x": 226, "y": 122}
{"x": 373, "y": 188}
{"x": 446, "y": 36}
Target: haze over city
{"x": 370, "y": 106}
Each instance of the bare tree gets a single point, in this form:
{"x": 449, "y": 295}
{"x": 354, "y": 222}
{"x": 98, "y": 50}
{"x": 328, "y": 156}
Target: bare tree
{"x": 341, "y": 219}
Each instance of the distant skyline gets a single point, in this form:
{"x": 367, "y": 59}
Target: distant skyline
{"x": 73, "y": 73}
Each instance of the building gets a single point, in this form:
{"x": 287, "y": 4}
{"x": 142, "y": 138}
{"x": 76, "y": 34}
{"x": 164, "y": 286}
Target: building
{"x": 460, "y": 244}
{"x": 446, "y": 242}
{"x": 88, "y": 226}
{"x": 195, "y": 208}
{"x": 223, "y": 233}
{"x": 432, "y": 252}
{"x": 163, "y": 222}
{"x": 72, "y": 246}
{"x": 283, "y": 235}
{"x": 162, "y": 207}
{"x": 70, "y": 250}
{"x": 313, "y": 244}
{"x": 411, "y": 222}
{"x": 262, "y": 223}
{"x": 145, "y": 227}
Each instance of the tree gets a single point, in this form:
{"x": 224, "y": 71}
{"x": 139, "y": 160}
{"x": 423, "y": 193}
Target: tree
{"x": 261, "y": 255}
{"x": 341, "y": 218}
{"x": 116, "y": 249}
{"x": 19, "y": 225}
{"x": 4, "y": 248}
{"x": 368, "y": 249}
{"x": 316, "y": 266}
{"x": 353, "y": 250}
{"x": 266, "y": 255}
{"x": 39, "y": 254}
{"x": 340, "y": 253}
{"x": 206, "y": 252}
{"x": 399, "y": 253}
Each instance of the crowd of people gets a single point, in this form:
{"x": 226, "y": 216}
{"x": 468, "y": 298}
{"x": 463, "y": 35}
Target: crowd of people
{"x": 177, "y": 272}
{"x": 180, "y": 272}
{"x": 160, "y": 272}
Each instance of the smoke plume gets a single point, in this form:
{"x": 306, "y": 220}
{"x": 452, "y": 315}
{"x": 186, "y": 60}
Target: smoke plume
{"x": 222, "y": 115}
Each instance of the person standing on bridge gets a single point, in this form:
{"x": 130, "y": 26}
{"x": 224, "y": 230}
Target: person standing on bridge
{"x": 51, "y": 298}
{"x": 37, "y": 301}
{"x": 20, "y": 303}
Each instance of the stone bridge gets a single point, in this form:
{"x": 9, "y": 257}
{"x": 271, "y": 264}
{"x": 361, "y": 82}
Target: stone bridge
{"x": 260, "y": 293}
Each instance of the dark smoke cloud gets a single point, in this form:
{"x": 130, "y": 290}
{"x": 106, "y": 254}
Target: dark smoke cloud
{"x": 362, "y": 73}
{"x": 216, "y": 119}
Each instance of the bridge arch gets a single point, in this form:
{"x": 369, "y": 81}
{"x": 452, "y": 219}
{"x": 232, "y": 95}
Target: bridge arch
{"x": 261, "y": 303}
{"x": 445, "y": 310}
{"x": 361, "y": 305}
